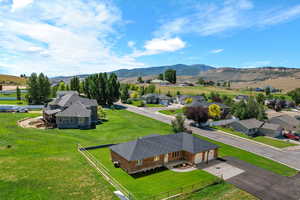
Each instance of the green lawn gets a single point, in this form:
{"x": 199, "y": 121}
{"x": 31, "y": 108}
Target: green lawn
{"x": 138, "y": 103}
{"x": 261, "y": 139}
{"x": 156, "y": 183}
{"x": 45, "y": 164}
{"x": 223, "y": 191}
{"x": 13, "y": 102}
{"x": 171, "y": 112}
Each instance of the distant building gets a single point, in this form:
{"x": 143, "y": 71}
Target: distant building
{"x": 181, "y": 99}
{"x": 185, "y": 84}
{"x": 155, "y": 151}
{"x": 287, "y": 122}
{"x": 254, "y": 127}
{"x": 160, "y": 82}
{"x": 241, "y": 97}
{"x": 69, "y": 110}
{"x": 157, "y": 99}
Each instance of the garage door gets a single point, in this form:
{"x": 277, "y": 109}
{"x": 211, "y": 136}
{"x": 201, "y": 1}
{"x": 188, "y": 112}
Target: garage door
{"x": 211, "y": 154}
{"x": 198, "y": 158}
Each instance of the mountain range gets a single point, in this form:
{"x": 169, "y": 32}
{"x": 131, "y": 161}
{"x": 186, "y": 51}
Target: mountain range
{"x": 279, "y": 77}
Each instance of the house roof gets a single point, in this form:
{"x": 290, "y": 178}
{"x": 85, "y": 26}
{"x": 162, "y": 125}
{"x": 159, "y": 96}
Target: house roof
{"x": 287, "y": 119}
{"x": 75, "y": 110}
{"x": 155, "y": 145}
{"x": 51, "y": 112}
{"x": 250, "y": 123}
{"x": 195, "y": 98}
{"x": 271, "y": 126}
{"x": 65, "y": 99}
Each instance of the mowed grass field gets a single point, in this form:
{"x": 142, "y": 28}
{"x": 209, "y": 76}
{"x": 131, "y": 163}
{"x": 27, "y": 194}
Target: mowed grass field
{"x": 197, "y": 90}
{"x": 45, "y": 164}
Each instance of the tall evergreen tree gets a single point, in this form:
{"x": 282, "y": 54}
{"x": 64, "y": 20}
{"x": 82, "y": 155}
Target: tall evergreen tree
{"x": 170, "y": 75}
{"x": 75, "y": 84}
{"x": 39, "y": 89}
{"x": 18, "y": 92}
{"x": 33, "y": 89}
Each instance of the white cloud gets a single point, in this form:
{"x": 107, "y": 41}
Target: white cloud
{"x": 211, "y": 19}
{"x": 216, "y": 51}
{"x": 281, "y": 16}
{"x": 62, "y": 37}
{"x": 18, "y": 4}
{"x": 160, "y": 45}
{"x": 131, "y": 44}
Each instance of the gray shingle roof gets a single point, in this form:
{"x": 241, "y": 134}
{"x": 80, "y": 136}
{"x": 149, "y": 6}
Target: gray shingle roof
{"x": 271, "y": 126}
{"x": 75, "y": 110}
{"x": 287, "y": 119}
{"x": 250, "y": 123}
{"x": 155, "y": 145}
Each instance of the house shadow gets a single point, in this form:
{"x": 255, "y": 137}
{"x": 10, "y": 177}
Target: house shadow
{"x": 150, "y": 172}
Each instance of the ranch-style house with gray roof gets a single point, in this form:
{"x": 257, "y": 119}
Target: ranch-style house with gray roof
{"x": 155, "y": 151}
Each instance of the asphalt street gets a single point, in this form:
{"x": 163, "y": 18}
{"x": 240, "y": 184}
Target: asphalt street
{"x": 289, "y": 158}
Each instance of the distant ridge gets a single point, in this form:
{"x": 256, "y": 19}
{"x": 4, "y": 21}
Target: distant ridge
{"x": 181, "y": 70}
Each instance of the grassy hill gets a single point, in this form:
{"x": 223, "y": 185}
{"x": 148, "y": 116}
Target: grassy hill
{"x": 11, "y": 80}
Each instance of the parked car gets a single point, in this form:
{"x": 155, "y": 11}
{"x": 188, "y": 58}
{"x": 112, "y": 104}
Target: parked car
{"x": 291, "y": 136}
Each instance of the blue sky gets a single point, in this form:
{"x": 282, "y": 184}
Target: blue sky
{"x": 86, "y": 36}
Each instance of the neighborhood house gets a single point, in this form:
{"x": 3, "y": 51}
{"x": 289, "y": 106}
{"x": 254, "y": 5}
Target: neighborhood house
{"x": 69, "y": 110}
{"x": 155, "y": 151}
{"x": 157, "y": 99}
{"x": 287, "y": 122}
{"x": 253, "y": 127}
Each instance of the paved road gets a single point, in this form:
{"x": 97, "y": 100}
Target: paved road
{"x": 289, "y": 158}
{"x": 264, "y": 184}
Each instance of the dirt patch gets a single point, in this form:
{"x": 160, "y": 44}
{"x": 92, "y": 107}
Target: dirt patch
{"x": 36, "y": 122}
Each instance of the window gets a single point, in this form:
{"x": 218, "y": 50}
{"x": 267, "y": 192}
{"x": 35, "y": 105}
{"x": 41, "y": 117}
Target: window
{"x": 175, "y": 154}
{"x": 156, "y": 158}
{"x": 139, "y": 162}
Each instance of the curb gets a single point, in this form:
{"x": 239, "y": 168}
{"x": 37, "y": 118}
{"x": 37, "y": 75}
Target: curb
{"x": 249, "y": 140}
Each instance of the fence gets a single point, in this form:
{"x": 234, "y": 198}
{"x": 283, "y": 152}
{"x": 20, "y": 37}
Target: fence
{"x": 104, "y": 172}
{"x": 182, "y": 191}
{"x": 172, "y": 194}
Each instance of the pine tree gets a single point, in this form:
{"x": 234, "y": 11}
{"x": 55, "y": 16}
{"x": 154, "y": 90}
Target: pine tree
{"x": 33, "y": 89}
{"x": 75, "y": 84}
{"x": 18, "y": 92}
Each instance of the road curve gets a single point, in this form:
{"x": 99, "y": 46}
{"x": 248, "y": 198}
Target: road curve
{"x": 289, "y": 158}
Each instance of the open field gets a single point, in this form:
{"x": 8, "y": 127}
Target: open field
{"x": 12, "y": 80}
{"x": 261, "y": 139}
{"x": 45, "y": 164}
{"x": 197, "y": 90}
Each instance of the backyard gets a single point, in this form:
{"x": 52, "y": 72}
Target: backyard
{"x": 45, "y": 164}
